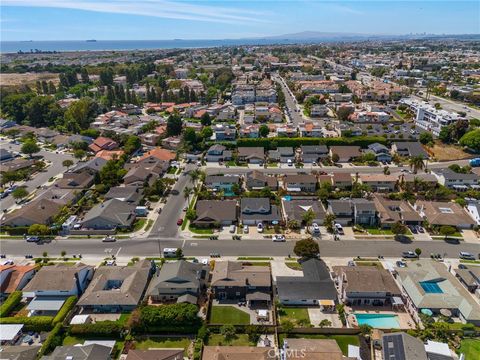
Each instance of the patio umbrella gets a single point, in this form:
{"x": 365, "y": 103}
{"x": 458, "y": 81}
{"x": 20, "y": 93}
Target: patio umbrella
{"x": 427, "y": 312}
{"x": 446, "y": 312}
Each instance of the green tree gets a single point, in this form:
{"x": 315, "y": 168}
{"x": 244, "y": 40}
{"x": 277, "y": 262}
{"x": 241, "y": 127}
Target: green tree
{"x": 307, "y": 248}
{"x": 308, "y": 217}
{"x": 418, "y": 252}
{"x": 344, "y": 112}
{"x": 30, "y": 147}
{"x": 416, "y": 163}
{"x": 179, "y": 253}
{"x": 325, "y": 323}
{"x": 67, "y": 163}
{"x": 80, "y": 114}
{"x": 11, "y": 177}
{"x": 228, "y": 331}
{"x": 335, "y": 158}
{"x": 39, "y": 230}
{"x": 132, "y": 144}
{"x": 191, "y": 214}
{"x": 287, "y": 326}
{"x": 174, "y": 125}
{"x": 447, "y": 230}
{"x": 426, "y": 138}
{"x": 206, "y": 119}
{"x": 79, "y": 154}
{"x": 471, "y": 140}
{"x": 329, "y": 222}
{"x": 399, "y": 229}
{"x": 263, "y": 130}
{"x": 19, "y": 193}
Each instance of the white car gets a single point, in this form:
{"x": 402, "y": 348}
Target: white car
{"x": 109, "y": 239}
{"x": 315, "y": 228}
{"x": 466, "y": 256}
{"x": 278, "y": 238}
{"x": 409, "y": 254}
{"x": 339, "y": 228}
{"x": 260, "y": 227}
{"x": 245, "y": 229}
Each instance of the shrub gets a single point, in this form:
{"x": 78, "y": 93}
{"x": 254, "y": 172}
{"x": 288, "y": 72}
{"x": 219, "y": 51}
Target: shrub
{"x": 100, "y": 328}
{"x": 171, "y": 318}
{"x": 12, "y": 301}
{"x": 34, "y": 323}
{"x": 66, "y": 308}
{"x": 52, "y": 341}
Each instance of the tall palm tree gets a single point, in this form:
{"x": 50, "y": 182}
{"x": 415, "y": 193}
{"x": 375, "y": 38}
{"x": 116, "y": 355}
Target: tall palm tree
{"x": 308, "y": 217}
{"x": 416, "y": 163}
{"x": 194, "y": 175}
{"x": 187, "y": 192}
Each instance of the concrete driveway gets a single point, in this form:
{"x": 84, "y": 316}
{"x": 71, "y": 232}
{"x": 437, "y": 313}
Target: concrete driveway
{"x": 279, "y": 268}
{"x": 470, "y": 236}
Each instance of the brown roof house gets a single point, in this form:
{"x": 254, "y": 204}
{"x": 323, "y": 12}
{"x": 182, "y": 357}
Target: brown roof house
{"x": 311, "y": 349}
{"x": 103, "y": 143}
{"x": 252, "y": 155}
{"x": 300, "y": 183}
{"x": 379, "y": 182}
{"x": 238, "y": 353}
{"x": 59, "y": 281}
{"x": 256, "y": 180}
{"x": 111, "y": 214}
{"x": 155, "y": 354}
{"x": 41, "y": 211}
{"x": 366, "y": 285}
{"x": 444, "y": 213}
{"x": 15, "y": 277}
{"x": 79, "y": 181}
{"x": 233, "y": 281}
{"x": 215, "y": 212}
{"x": 393, "y": 211}
{"x": 346, "y": 153}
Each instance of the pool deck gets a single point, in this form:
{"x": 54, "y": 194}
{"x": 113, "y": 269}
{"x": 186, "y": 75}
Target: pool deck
{"x": 404, "y": 319}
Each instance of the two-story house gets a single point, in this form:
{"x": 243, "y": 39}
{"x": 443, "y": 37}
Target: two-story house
{"x": 300, "y": 183}
{"x": 313, "y": 153}
{"x": 218, "y": 153}
{"x": 258, "y": 210}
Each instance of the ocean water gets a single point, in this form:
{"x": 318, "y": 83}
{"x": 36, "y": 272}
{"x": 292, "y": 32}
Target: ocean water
{"x": 83, "y": 45}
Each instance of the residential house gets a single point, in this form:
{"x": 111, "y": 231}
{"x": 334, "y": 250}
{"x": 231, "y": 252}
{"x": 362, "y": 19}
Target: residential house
{"x": 429, "y": 285}
{"x": 109, "y": 154}
{"x": 103, "y": 143}
{"x": 379, "y": 182}
{"x": 409, "y": 149}
{"x": 179, "y": 281}
{"x": 318, "y": 110}
{"x": 155, "y": 354}
{"x": 295, "y": 209}
{"x": 381, "y": 152}
{"x": 80, "y": 352}
{"x": 315, "y": 287}
{"x": 256, "y": 180}
{"x": 93, "y": 166}
{"x": 345, "y": 153}
{"x": 225, "y": 183}
{"x": 366, "y": 285}
{"x": 234, "y": 281}
{"x": 342, "y": 181}
{"x": 283, "y": 155}
{"x": 401, "y": 346}
{"x": 15, "y": 277}
{"x": 300, "y": 183}
{"x": 115, "y": 289}
{"x": 5, "y": 155}
{"x": 395, "y": 211}
{"x": 251, "y": 131}
{"x": 59, "y": 281}
{"x": 313, "y": 153}
{"x": 17, "y": 164}
{"x": 129, "y": 194}
{"x": 20, "y": 352}
{"x": 38, "y": 211}
{"x": 417, "y": 181}
{"x": 218, "y": 153}
{"x": 78, "y": 181}
{"x": 456, "y": 181}
{"x": 469, "y": 276}
{"x": 224, "y": 132}
{"x": 238, "y": 352}
{"x": 310, "y": 129}
{"x": 473, "y": 208}
{"x": 252, "y": 155}
{"x": 342, "y": 210}
{"x": 444, "y": 213}
{"x": 157, "y": 154}
{"x": 364, "y": 212}
{"x": 145, "y": 172}
{"x": 258, "y": 210}
{"x": 111, "y": 214}
{"x": 215, "y": 213}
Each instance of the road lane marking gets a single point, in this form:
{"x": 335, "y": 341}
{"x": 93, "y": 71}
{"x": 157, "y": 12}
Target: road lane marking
{"x": 118, "y": 251}
{"x": 194, "y": 244}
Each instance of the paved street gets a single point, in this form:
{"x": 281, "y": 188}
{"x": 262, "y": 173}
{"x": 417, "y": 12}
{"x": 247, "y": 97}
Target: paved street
{"x": 294, "y": 117}
{"x": 39, "y": 179}
{"x": 166, "y": 223}
{"x": 452, "y": 106}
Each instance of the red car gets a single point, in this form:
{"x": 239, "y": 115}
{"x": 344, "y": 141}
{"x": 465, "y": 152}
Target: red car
{"x": 179, "y": 222}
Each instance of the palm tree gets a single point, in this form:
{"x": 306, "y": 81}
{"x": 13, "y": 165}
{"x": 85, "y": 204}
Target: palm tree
{"x": 308, "y": 217}
{"x": 187, "y": 192}
{"x": 194, "y": 175}
{"x": 416, "y": 163}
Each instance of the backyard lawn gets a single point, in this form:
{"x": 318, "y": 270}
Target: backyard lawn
{"x": 342, "y": 340}
{"x": 228, "y": 315}
{"x": 163, "y": 342}
{"x": 471, "y": 349}
{"x": 238, "y": 340}
{"x": 296, "y": 315}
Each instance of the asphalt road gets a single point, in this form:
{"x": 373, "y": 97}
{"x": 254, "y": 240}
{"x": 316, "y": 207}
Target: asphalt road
{"x": 41, "y": 178}
{"x": 166, "y": 223}
{"x": 452, "y": 106}
{"x": 203, "y": 247}
{"x": 294, "y": 116}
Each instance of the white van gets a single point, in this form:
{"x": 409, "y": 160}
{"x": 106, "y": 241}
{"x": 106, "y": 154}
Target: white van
{"x": 233, "y": 228}
{"x": 170, "y": 252}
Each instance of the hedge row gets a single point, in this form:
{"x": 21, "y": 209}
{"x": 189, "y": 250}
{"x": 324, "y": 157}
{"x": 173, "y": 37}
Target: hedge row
{"x": 100, "y": 328}
{"x": 15, "y": 230}
{"x": 12, "y": 301}
{"x": 34, "y": 323}
{"x": 66, "y": 308}
{"x": 273, "y": 143}
{"x": 52, "y": 341}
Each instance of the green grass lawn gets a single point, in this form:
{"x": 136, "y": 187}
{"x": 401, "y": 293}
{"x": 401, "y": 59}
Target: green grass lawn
{"x": 172, "y": 170}
{"x": 203, "y": 231}
{"x": 463, "y": 261}
{"x": 293, "y": 265}
{"x": 294, "y": 314}
{"x": 254, "y": 258}
{"x": 228, "y": 315}
{"x": 369, "y": 263}
{"x": 163, "y": 342}
{"x": 149, "y": 224}
{"x": 342, "y": 340}
{"x": 139, "y": 224}
{"x": 471, "y": 349}
{"x": 238, "y": 340}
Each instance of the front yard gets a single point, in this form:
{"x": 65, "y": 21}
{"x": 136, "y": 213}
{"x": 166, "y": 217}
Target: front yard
{"x": 228, "y": 315}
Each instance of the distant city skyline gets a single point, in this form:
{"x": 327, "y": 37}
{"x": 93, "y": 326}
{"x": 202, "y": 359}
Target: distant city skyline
{"x": 23, "y": 20}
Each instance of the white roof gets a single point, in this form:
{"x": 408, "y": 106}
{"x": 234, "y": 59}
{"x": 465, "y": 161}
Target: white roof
{"x": 45, "y": 304}
{"x": 437, "y": 348}
{"x": 79, "y": 319}
{"x": 354, "y": 352}
{"x": 9, "y": 331}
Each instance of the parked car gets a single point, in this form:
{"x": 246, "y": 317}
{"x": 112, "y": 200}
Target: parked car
{"x": 466, "y": 256}
{"x": 33, "y": 239}
{"x": 179, "y": 222}
{"x": 339, "y": 229}
{"x": 420, "y": 229}
{"x": 278, "y": 238}
{"x": 260, "y": 227}
{"x": 409, "y": 254}
{"x": 413, "y": 229}
{"x": 233, "y": 229}
{"x": 109, "y": 239}
{"x": 401, "y": 264}
{"x": 351, "y": 263}
{"x": 245, "y": 229}
{"x": 214, "y": 255}
{"x": 110, "y": 263}
{"x": 315, "y": 228}
{"x": 174, "y": 192}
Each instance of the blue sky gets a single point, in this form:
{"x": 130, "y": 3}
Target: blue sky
{"x": 215, "y": 19}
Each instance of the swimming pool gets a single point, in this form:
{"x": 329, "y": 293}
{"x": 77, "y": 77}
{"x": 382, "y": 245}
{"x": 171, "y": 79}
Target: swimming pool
{"x": 431, "y": 287}
{"x": 379, "y": 321}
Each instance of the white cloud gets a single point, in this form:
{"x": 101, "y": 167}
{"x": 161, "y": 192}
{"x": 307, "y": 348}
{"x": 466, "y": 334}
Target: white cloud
{"x": 153, "y": 8}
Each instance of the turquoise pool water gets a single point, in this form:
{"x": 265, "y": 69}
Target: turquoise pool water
{"x": 431, "y": 287}
{"x": 379, "y": 321}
